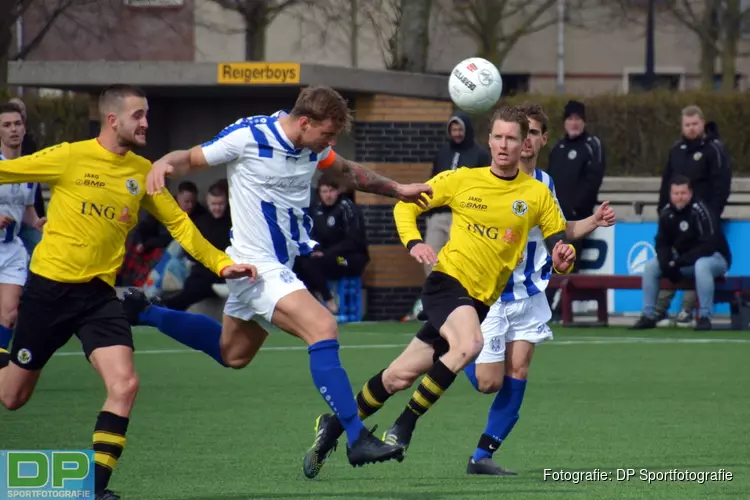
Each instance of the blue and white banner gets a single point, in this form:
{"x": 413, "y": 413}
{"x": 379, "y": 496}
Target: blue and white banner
{"x": 626, "y": 247}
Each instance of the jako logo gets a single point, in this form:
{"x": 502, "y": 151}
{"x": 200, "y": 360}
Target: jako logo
{"x": 639, "y": 254}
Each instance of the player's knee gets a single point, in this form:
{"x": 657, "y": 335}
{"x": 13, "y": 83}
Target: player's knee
{"x": 395, "y": 380}
{"x": 467, "y": 348}
{"x": 8, "y": 316}
{"x": 489, "y": 385}
{"x": 323, "y": 328}
{"x": 518, "y": 372}
{"x": 14, "y": 401}
{"x": 124, "y": 389}
{"x": 237, "y": 362}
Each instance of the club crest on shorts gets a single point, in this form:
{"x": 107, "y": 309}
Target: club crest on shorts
{"x": 287, "y": 276}
{"x": 24, "y": 356}
{"x": 496, "y": 343}
{"x": 519, "y": 207}
{"x": 132, "y": 186}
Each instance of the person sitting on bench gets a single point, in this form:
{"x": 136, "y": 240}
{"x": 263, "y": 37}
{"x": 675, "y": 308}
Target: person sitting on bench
{"x": 341, "y": 250}
{"x": 689, "y": 243}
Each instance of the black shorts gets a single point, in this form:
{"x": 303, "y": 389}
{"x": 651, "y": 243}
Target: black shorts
{"x": 51, "y": 312}
{"x": 441, "y": 295}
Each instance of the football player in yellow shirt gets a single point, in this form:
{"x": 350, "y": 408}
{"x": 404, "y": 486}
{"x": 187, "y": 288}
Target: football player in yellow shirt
{"x": 494, "y": 208}
{"x": 98, "y": 188}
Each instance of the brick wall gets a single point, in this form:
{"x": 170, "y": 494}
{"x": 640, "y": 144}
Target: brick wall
{"x": 396, "y": 137}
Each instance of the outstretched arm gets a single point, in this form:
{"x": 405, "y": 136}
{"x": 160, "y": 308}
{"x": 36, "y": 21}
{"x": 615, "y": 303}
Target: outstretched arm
{"x": 579, "y": 229}
{"x": 357, "y": 176}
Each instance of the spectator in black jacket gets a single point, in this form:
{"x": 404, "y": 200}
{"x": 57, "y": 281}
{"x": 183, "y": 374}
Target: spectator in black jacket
{"x": 576, "y": 165}
{"x": 689, "y": 243}
{"x": 341, "y": 249}
{"x": 702, "y": 159}
{"x": 215, "y": 224}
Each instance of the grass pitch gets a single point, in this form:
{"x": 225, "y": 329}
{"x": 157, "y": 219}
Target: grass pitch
{"x": 597, "y": 399}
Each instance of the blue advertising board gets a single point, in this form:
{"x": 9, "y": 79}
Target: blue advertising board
{"x": 634, "y": 245}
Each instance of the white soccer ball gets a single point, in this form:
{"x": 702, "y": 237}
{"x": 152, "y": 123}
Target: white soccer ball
{"x": 475, "y": 85}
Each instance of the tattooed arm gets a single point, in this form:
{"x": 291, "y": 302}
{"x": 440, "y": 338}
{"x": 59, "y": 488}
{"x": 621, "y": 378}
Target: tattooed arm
{"x": 357, "y": 176}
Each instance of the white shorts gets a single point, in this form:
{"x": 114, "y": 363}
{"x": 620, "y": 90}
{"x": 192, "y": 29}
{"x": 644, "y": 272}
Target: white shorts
{"x": 258, "y": 298}
{"x": 14, "y": 263}
{"x": 524, "y": 319}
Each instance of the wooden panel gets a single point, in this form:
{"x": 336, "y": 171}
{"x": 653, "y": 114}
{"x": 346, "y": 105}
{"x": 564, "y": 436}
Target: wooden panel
{"x": 387, "y": 108}
{"x": 392, "y": 266}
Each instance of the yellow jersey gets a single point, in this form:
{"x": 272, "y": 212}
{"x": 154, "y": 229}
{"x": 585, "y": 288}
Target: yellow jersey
{"x": 492, "y": 218}
{"x": 96, "y": 197}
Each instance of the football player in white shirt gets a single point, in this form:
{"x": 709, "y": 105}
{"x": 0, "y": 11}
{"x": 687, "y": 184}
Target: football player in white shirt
{"x": 514, "y": 324}
{"x": 270, "y": 164}
{"x": 16, "y": 208}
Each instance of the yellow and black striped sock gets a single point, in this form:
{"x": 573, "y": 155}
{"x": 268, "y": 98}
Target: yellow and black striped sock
{"x": 372, "y": 397}
{"x": 109, "y": 441}
{"x": 4, "y": 357}
{"x": 437, "y": 381}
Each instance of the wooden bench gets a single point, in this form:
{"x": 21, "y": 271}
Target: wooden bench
{"x": 595, "y": 287}
{"x": 638, "y": 197}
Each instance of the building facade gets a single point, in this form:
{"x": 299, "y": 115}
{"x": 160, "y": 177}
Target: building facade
{"x": 602, "y": 52}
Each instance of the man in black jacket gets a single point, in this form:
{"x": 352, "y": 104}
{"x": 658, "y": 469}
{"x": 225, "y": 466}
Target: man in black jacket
{"x": 700, "y": 157}
{"x": 576, "y": 165}
{"x": 689, "y": 243}
{"x": 341, "y": 250}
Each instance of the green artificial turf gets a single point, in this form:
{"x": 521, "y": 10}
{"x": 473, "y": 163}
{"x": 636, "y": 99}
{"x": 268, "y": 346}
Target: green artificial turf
{"x": 597, "y": 399}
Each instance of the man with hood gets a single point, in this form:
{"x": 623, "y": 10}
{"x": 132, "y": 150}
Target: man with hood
{"x": 461, "y": 150}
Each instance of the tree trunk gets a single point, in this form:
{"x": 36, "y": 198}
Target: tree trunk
{"x": 732, "y": 18}
{"x": 709, "y": 28}
{"x": 256, "y": 23}
{"x": 413, "y": 39}
{"x": 353, "y": 33}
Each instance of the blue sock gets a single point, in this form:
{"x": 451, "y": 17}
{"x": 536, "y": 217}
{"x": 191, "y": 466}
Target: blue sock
{"x": 5, "y": 335}
{"x": 333, "y": 383}
{"x": 471, "y": 374}
{"x": 196, "y": 331}
{"x": 503, "y": 416}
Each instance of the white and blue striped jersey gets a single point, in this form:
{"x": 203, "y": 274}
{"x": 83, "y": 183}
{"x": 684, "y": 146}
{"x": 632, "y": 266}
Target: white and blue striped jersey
{"x": 14, "y": 198}
{"x": 532, "y": 274}
{"x": 269, "y": 189}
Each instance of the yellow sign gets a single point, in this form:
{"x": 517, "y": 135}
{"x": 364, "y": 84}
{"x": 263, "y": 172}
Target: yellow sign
{"x": 259, "y": 73}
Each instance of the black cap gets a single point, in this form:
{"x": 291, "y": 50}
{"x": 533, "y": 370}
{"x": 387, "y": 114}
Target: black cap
{"x": 574, "y": 108}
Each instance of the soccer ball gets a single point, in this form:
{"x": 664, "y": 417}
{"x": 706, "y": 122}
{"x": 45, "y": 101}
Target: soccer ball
{"x": 475, "y": 85}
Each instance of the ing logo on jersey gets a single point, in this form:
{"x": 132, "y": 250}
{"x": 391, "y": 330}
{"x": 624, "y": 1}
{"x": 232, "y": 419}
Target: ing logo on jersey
{"x": 520, "y": 207}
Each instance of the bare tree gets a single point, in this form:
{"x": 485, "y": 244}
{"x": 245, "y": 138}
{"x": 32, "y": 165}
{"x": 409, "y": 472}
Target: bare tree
{"x": 497, "y": 25}
{"x": 257, "y": 14}
{"x": 336, "y": 23}
{"x": 13, "y": 10}
{"x": 413, "y": 36}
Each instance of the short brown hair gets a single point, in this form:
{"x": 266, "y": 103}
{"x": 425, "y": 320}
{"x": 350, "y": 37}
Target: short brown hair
{"x": 512, "y": 114}
{"x": 535, "y": 112}
{"x": 320, "y": 103}
{"x": 693, "y": 110}
{"x": 111, "y": 97}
